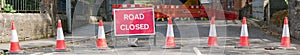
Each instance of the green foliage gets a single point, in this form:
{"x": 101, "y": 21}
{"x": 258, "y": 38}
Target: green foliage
{"x": 287, "y": 1}
{"x": 8, "y": 8}
{"x": 2, "y": 53}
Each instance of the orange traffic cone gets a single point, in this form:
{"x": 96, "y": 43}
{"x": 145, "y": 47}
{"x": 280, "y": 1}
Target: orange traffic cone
{"x": 212, "y": 38}
{"x": 60, "y": 43}
{"x": 170, "y": 40}
{"x": 244, "y": 42}
{"x": 101, "y": 43}
{"x": 285, "y": 40}
{"x": 14, "y": 42}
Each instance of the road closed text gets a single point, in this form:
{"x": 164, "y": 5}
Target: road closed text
{"x": 140, "y": 16}
{"x": 134, "y": 22}
{"x": 134, "y": 26}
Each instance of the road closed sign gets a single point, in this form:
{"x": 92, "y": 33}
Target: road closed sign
{"x": 134, "y": 21}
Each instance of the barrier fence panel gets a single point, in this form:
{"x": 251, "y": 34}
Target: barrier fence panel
{"x": 23, "y": 5}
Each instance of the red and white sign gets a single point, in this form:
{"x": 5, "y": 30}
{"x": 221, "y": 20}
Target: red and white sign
{"x": 134, "y": 21}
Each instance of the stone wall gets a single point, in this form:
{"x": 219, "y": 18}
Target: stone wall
{"x": 278, "y": 14}
{"x": 276, "y": 22}
{"x": 277, "y": 5}
{"x": 29, "y": 26}
{"x": 294, "y": 18}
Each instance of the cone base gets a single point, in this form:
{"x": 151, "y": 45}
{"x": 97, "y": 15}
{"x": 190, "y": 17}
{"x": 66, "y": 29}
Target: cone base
{"x": 244, "y": 42}
{"x": 286, "y": 48}
{"x": 211, "y": 46}
{"x": 19, "y": 52}
{"x": 14, "y": 47}
{"x": 173, "y": 47}
{"x": 64, "y": 50}
{"x": 212, "y": 41}
{"x": 60, "y": 45}
{"x": 103, "y": 48}
{"x": 101, "y": 43}
{"x": 135, "y": 45}
{"x": 285, "y": 42}
{"x": 170, "y": 42}
{"x": 243, "y": 47}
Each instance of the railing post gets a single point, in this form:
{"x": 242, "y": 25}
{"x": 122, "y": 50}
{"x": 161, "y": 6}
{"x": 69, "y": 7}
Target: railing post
{"x": 2, "y": 2}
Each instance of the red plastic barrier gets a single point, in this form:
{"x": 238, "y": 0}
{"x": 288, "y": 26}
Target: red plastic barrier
{"x": 165, "y": 11}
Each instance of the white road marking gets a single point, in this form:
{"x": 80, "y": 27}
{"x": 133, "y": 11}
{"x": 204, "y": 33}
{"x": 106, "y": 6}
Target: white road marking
{"x": 49, "y": 53}
{"x": 197, "y": 51}
{"x": 36, "y": 53}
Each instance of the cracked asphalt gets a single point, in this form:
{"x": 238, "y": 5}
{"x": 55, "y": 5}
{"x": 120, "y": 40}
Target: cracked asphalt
{"x": 190, "y": 35}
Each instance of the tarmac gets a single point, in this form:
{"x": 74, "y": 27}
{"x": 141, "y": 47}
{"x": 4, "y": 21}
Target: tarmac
{"x": 79, "y": 34}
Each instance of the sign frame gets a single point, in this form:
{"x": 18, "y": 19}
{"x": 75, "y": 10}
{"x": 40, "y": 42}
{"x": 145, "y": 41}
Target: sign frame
{"x": 114, "y": 17}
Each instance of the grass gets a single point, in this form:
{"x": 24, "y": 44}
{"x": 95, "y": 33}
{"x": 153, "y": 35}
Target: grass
{"x": 2, "y": 53}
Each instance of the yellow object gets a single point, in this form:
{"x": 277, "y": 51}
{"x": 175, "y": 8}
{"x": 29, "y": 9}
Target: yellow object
{"x": 191, "y": 2}
{"x": 148, "y": 5}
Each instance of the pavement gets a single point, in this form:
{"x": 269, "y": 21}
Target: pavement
{"x": 79, "y": 34}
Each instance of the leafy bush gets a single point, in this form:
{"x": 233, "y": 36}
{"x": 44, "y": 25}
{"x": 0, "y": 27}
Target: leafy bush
{"x": 8, "y": 8}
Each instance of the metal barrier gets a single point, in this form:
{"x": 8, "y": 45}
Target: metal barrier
{"x": 24, "y": 5}
{"x": 166, "y": 11}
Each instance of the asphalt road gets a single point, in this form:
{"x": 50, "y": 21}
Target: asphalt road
{"x": 191, "y": 35}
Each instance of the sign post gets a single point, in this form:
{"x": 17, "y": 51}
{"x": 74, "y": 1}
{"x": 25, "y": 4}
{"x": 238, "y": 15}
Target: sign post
{"x": 134, "y": 22}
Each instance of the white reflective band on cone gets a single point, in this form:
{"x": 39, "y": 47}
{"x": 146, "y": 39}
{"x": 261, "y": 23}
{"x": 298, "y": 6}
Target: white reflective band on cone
{"x": 60, "y": 34}
{"x": 124, "y": 5}
{"x": 192, "y": 6}
{"x": 14, "y": 36}
{"x": 244, "y": 29}
{"x": 285, "y": 32}
{"x": 212, "y": 31}
{"x": 172, "y": 6}
{"x": 177, "y": 6}
{"x": 170, "y": 30}
{"x": 132, "y": 5}
{"x": 140, "y": 5}
{"x": 101, "y": 33}
{"x": 197, "y": 6}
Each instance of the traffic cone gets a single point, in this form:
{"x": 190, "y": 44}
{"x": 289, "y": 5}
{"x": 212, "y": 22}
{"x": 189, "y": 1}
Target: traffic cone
{"x": 212, "y": 38}
{"x": 244, "y": 42}
{"x": 60, "y": 43}
{"x": 285, "y": 40}
{"x": 170, "y": 40}
{"x": 101, "y": 43}
{"x": 14, "y": 42}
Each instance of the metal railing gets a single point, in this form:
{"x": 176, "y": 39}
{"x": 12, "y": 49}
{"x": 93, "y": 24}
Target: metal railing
{"x": 22, "y": 6}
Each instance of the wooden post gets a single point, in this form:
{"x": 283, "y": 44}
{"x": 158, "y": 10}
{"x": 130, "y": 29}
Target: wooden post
{"x": 53, "y": 13}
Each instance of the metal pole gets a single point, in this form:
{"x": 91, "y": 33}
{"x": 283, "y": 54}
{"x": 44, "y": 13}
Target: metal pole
{"x": 163, "y": 2}
{"x": 269, "y": 16}
{"x": 68, "y": 13}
